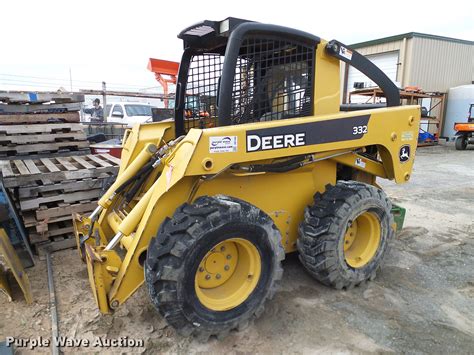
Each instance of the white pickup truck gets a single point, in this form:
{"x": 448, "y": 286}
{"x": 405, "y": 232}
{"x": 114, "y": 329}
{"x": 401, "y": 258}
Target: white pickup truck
{"x": 130, "y": 113}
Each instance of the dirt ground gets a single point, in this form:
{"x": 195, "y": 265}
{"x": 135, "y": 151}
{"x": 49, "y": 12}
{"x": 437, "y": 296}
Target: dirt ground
{"x": 422, "y": 300}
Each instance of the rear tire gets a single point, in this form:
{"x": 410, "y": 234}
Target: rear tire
{"x": 461, "y": 142}
{"x": 345, "y": 234}
{"x": 213, "y": 236}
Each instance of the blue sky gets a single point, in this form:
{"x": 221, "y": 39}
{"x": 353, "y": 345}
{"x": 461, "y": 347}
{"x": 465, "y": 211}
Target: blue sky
{"x": 112, "y": 40}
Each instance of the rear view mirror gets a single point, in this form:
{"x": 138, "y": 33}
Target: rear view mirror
{"x": 117, "y": 114}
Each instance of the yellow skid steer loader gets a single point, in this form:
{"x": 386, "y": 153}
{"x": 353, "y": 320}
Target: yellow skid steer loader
{"x": 204, "y": 208}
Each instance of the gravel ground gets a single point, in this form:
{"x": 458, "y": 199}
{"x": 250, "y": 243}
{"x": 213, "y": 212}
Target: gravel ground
{"x": 422, "y": 300}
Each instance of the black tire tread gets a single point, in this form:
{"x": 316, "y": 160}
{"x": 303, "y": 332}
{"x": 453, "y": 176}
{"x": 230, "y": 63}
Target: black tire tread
{"x": 318, "y": 233}
{"x": 460, "y": 143}
{"x": 168, "y": 250}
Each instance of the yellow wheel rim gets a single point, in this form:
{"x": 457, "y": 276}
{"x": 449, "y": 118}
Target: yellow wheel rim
{"x": 362, "y": 240}
{"x": 228, "y": 274}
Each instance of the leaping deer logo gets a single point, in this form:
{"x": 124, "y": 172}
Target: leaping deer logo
{"x": 404, "y": 153}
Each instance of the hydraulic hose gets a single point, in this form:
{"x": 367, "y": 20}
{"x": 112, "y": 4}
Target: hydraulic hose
{"x": 139, "y": 180}
{"x": 129, "y": 173}
{"x": 278, "y": 167}
{"x": 144, "y": 170}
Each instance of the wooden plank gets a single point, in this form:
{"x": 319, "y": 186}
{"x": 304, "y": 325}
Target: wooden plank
{"x": 37, "y": 238}
{"x": 99, "y": 161}
{"x": 30, "y": 164}
{"x": 6, "y": 169}
{"x": 59, "y": 231}
{"x": 40, "y": 227}
{"x": 49, "y": 165}
{"x": 21, "y": 167}
{"x": 43, "y": 226}
{"x": 29, "y": 219}
{"x": 41, "y": 147}
{"x": 22, "y": 180}
{"x": 55, "y": 246}
{"x": 26, "y": 205}
{"x": 46, "y": 154}
{"x": 64, "y": 162}
{"x": 41, "y": 128}
{"x": 40, "y": 96}
{"x": 111, "y": 158}
{"x": 67, "y": 112}
{"x": 62, "y": 187}
{"x": 82, "y": 162}
{"x": 65, "y": 210}
{"x": 42, "y": 138}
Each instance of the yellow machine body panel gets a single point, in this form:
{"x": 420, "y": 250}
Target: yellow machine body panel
{"x": 7, "y": 252}
{"x": 283, "y": 196}
{"x": 219, "y": 160}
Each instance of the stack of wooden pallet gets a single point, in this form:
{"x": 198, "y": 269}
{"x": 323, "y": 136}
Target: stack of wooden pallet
{"x": 48, "y": 190}
{"x": 46, "y": 163}
{"x": 32, "y": 127}
{"x": 40, "y": 140}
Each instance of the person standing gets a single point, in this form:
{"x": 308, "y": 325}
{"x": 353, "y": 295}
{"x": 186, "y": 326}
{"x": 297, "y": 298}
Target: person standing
{"x": 96, "y": 112}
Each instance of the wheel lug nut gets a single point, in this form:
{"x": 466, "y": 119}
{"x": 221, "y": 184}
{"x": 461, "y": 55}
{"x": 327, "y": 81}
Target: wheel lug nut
{"x": 208, "y": 277}
{"x": 228, "y": 256}
{"x": 201, "y": 269}
{"x": 218, "y": 276}
{"x": 226, "y": 268}
{"x": 222, "y": 248}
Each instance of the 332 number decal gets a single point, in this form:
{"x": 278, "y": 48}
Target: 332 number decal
{"x": 359, "y": 129}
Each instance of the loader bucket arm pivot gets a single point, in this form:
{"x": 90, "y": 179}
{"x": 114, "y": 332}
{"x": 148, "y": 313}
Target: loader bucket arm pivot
{"x": 365, "y": 66}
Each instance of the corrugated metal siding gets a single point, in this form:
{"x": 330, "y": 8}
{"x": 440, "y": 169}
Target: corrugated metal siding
{"x": 383, "y": 48}
{"x": 439, "y": 65}
{"x": 380, "y": 48}
{"x": 376, "y": 49}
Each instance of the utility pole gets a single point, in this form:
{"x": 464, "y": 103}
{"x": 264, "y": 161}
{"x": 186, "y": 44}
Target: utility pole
{"x": 104, "y": 100}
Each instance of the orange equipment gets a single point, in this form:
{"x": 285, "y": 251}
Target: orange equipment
{"x": 465, "y": 131}
{"x": 165, "y": 73}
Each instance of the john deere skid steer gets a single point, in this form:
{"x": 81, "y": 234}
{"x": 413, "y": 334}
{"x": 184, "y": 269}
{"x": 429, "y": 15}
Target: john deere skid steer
{"x": 205, "y": 207}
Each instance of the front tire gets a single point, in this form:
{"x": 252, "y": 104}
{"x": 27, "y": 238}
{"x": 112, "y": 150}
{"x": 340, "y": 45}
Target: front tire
{"x": 461, "y": 142}
{"x": 213, "y": 265}
{"x": 345, "y": 234}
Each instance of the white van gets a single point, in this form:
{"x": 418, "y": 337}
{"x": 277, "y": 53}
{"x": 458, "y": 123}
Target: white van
{"x": 130, "y": 113}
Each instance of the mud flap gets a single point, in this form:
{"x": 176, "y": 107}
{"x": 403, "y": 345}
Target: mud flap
{"x": 398, "y": 216}
{"x": 13, "y": 262}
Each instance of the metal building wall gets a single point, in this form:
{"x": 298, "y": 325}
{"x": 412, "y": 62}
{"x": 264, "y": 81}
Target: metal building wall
{"x": 384, "y": 48}
{"x": 437, "y": 65}
{"x": 381, "y": 48}
{"x": 399, "y": 45}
